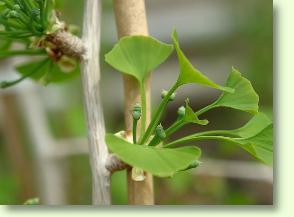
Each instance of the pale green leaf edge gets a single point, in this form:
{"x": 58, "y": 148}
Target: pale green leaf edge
{"x": 251, "y": 108}
{"x": 199, "y": 78}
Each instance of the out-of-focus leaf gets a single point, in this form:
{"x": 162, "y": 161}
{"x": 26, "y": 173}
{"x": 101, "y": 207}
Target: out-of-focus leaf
{"x": 138, "y": 55}
{"x": 47, "y": 73}
{"x": 4, "y": 45}
{"x": 189, "y": 74}
{"x": 162, "y": 162}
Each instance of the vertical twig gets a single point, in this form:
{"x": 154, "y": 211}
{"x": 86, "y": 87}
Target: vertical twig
{"x": 95, "y": 121}
{"x": 131, "y": 20}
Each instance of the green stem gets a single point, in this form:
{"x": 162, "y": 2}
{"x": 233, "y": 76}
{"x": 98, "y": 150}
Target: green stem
{"x": 41, "y": 6}
{"x": 8, "y": 25}
{"x": 135, "y": 122}
{"x": 47, "y": 11}
{"x": 28, "y": 5}
{"x": 15, "y": 37}
{"x": 206, "y": 109}
{"x": 143, "y": 104}
{"x": 155, "y": 141}
{"x": 197, "y": 138}
{"x": 174, "y": 127}
{"x": 217, "y": 133}
{"x": 9, "y": 53}
{"x": 157, "y": 117}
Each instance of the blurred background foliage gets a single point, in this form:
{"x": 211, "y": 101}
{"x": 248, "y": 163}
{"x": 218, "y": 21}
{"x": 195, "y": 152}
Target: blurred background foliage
{"x": 215, "y": 35}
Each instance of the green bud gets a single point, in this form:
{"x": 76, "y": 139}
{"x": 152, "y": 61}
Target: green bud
{"x": 137, "y": 111}
{"x": 160, "y": 132}
{"x": 13, "y": 14}
{"x": 16, "y": 7}
{"x": 165, "y": 92}
{"x": 172, "y": 97}
{"x": 192, "y": 165}
{"x": 181, "y": 112}
{"x": 35, "y": 12}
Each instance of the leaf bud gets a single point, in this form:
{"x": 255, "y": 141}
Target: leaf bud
{"x": 16, "y": 7}
{"x": 165, "y": 92}
{"x": 137, "y": 111}
{"x": 192, "y": 165}
{"x": 172, "y": 97}
{"x": 13, "y": 14}
{"x": 160, "y": 132}
{"x": 181, "y": 112}
{"x": 35, "y": 12}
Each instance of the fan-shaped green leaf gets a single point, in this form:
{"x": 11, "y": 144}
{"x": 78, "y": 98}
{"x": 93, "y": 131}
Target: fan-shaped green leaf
{"x": 191, "y": 117}
{"x": 138, "y": 55}
{"x": 189, "y": 74}
{"x": 260, "y": 145}
{"x": 162, "y": 162}
{"x": 244, "y": 98}
{"x": 259, "y": 122}
{"x": 256, "y": 137}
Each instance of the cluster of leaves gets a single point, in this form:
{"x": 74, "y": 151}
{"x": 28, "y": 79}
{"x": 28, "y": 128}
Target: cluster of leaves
{"x": 138, "y": 56}
{"x": 26, "y": 24}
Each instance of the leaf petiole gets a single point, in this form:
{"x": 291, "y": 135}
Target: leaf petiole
{"x": 195, "y": 138}
{"x": 175, "y": 127}
{"x": 135, "y": 122}
{"x": 206, "y": 109}
{"x": 32, "y": 52}
{"x": 157, "y": 117}
{"x": 143, "y": 103}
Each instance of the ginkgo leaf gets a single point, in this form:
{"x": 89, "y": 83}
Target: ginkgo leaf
{"x": 259, "y": 145}
{"x": 162, "y": 162}
{"x": 189, "y": 74}
{"x": 256, "y": 137}
{"x": 244, "y": 98}
{"x": 191, "y": 117}
{"x": 138, "y": 55}
{"x": 257, "y": 123}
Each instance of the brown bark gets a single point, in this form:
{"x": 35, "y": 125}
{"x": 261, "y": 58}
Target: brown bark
{"x": 15, "y": 147}
{"x": 131, "y": 20}
{"x": 67, "y": 43}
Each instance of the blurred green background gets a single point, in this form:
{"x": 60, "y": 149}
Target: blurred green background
{"x": 215, "y": 35}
